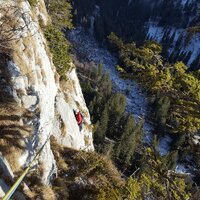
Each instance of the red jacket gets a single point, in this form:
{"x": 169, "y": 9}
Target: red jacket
{"x": 79, "y": 118}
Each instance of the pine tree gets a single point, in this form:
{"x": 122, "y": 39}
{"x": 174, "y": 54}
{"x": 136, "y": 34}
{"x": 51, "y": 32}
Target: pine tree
{"x": 116, "y": 108}
{"x": 99, "y": 70}
{"x": 99, "y": 134}
{"x": 163, "y": 105}
{"x": 130, "y": 139}
{"x": 105, "y": 85}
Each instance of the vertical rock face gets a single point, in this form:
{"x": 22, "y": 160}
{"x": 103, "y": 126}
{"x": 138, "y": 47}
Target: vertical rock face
{"x": 34, "y": 104}
{"x": 66, "y": 130}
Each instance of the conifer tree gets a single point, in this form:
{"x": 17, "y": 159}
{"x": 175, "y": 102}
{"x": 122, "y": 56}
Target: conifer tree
{"x": 163, "y": 106}
{"x": 130, "y": 139}
{"x": 154, "y": 181}
{"x": 99, "y": 134}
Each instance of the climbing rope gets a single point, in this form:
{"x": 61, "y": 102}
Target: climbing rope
{"x": 20, "y": 179}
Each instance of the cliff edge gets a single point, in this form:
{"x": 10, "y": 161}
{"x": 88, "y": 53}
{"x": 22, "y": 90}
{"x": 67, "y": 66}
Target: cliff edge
{"x": 34, "y": 103}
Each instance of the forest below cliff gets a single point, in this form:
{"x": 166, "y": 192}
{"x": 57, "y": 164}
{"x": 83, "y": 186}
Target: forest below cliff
{"x": 117, "y": 135}
{"x": 124, "y": 165}
{"x": 173, "y": 90}
{"x": 166, "y": 21}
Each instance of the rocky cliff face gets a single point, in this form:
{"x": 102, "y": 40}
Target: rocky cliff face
{"x": 34, "y": 103}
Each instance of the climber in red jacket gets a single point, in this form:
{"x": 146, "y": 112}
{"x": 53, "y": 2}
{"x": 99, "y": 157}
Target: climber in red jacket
{"x": 79, "y": 119}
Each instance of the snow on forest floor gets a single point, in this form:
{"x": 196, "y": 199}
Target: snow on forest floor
{"x": 164, "y": 145}
{"x": 181, "y": 169}
{"x": 157, "y": 33}
{"x": 136, "y": 100}
{"x": 137, "y": 103}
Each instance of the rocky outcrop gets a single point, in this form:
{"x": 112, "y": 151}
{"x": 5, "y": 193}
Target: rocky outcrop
{"x": 34, "y": 104}
{"x": 66, "y": 129}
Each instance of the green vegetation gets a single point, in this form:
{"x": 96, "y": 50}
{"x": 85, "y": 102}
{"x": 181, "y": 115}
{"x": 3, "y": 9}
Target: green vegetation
{"x": 116, "y": 134}
{"x": 174, "y": 94}
{"x": 174, "y": 91}
{"x": 123, "y": 144}
{"x": 110, "y": 119}
{"x": 90, "y": 175}
{"x": 93, "y": 176}
{"x": 129, "y": 141}
{"x": 60, "y": 12}
{"x": 59, "y": 48}
{"x": 33, "y": 3}
{"x": 131, "y": 22}
{"x": 155, "y": 182}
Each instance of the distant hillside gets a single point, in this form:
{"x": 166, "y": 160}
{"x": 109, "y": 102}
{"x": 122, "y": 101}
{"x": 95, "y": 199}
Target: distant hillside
{"x": 166, "y": 21}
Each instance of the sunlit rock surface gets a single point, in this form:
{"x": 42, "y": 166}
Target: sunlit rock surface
{"x": 34, "y": 88}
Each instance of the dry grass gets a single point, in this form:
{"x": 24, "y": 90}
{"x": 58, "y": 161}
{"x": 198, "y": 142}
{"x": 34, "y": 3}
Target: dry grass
{"x": 81, "y": 175}
{"x": 12, "y": 133}
{"x": 47, "y": 193}
{"x": 87, "y": 141}
{"x": 67, "y": 85}
{"x": 96, "y": 171}
{"x": 40, "y": 192}
{"x": 35, "y": 189}
{"x": 42, "y": 9}
{"x": 89, "y": 127}
{"x": 29, "y": 194}
{"x": 63, "y": 127}
{"x": 23, "y": 49}
{"x": 196, "y": 195}
{"x": 57, "y": 149}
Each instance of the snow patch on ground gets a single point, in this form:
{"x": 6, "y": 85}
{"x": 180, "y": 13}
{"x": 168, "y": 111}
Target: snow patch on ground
{"x": 156, "y": 32}
{"x": 194, "y": 47}
{"x": 182, "y": 168}
{"x": 183, "y": 2}
{"x": 196, "y": 139}
{"x": 164, "y": 145}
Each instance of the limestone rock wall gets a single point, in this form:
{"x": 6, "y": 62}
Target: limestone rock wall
{"x": 34, "y": 103}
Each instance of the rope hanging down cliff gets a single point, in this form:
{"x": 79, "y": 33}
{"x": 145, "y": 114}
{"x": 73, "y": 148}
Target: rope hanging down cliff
{"x": 20, "y": 179}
